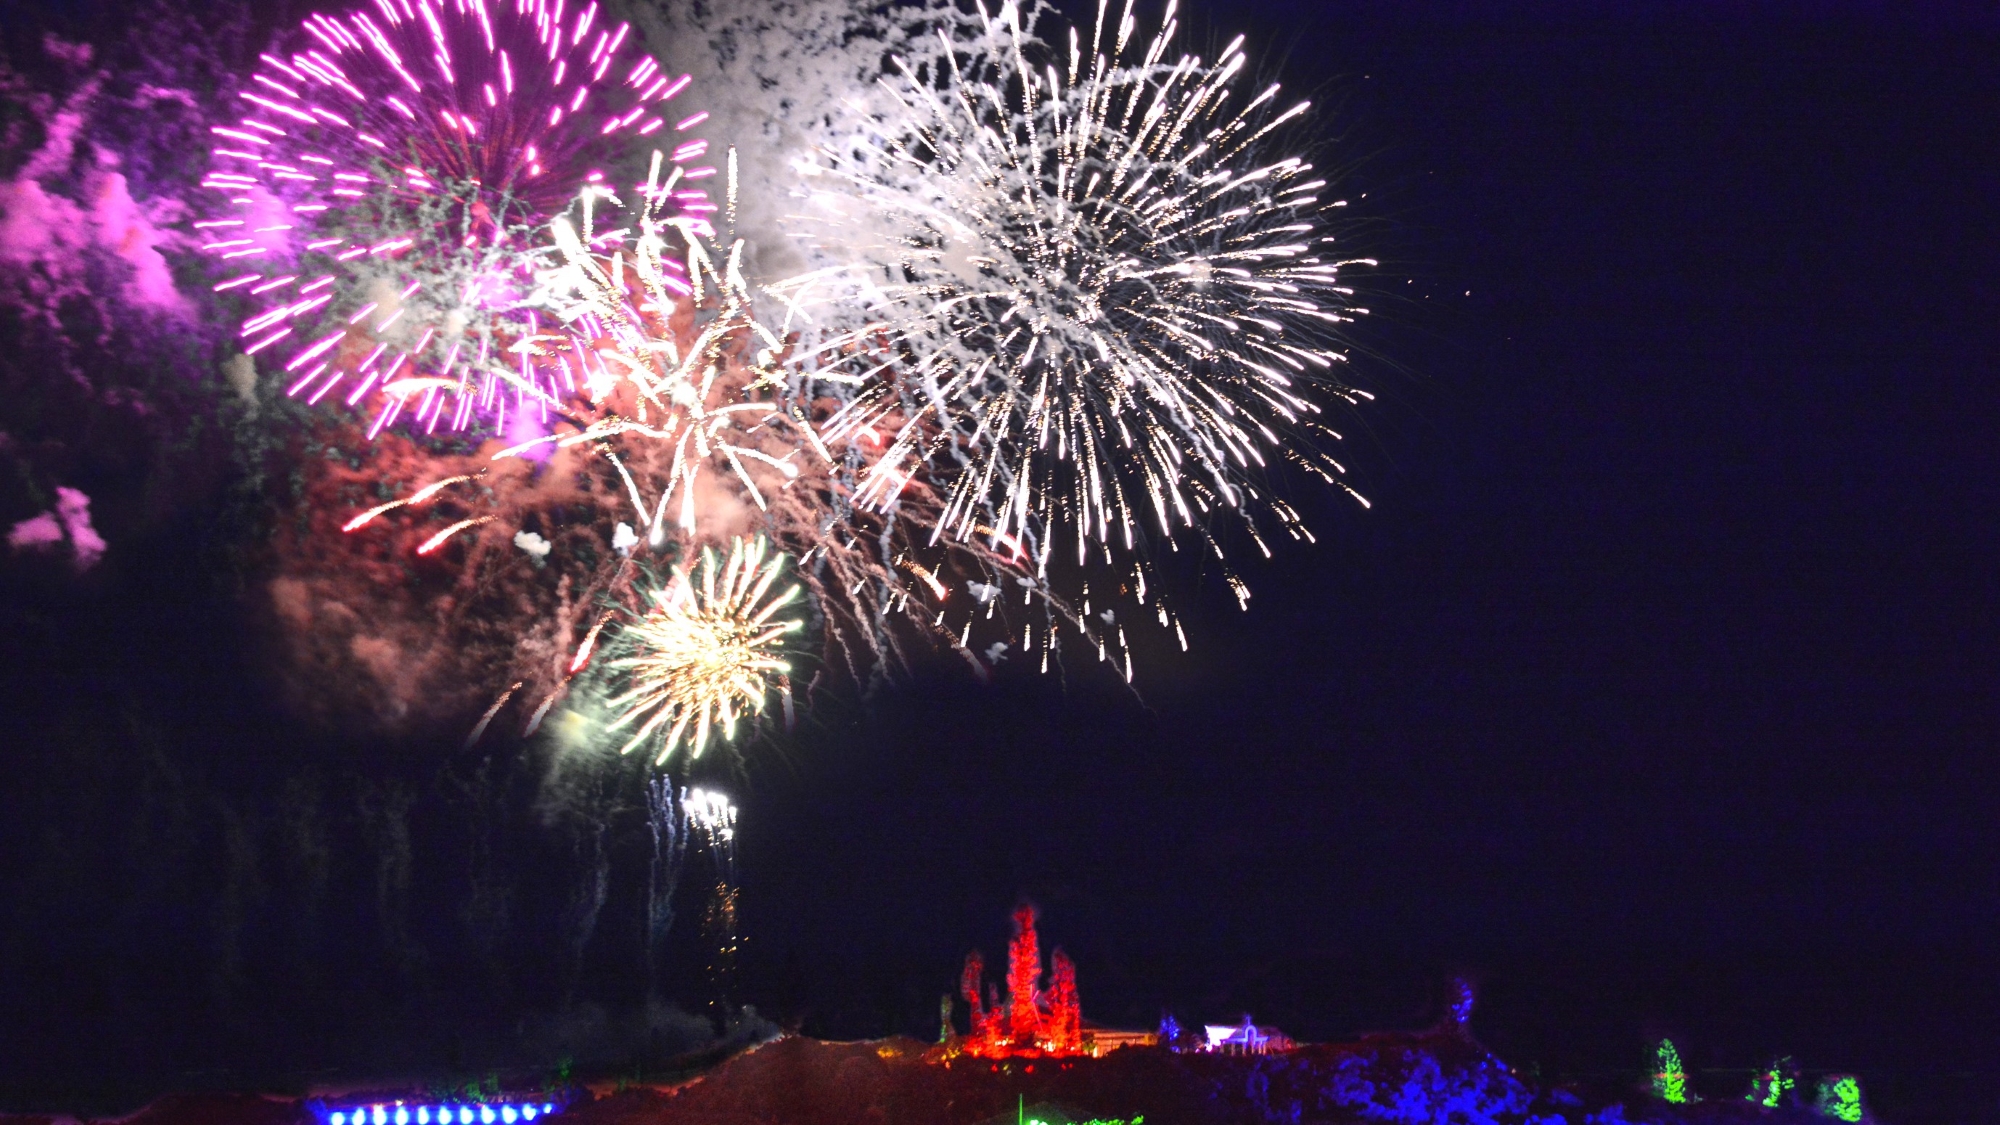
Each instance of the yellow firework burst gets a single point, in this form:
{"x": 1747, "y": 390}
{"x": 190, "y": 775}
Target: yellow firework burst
{"x": 708, "y": 652}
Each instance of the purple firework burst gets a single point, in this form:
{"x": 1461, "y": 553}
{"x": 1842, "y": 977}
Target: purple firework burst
{"x": 379, "y": 180}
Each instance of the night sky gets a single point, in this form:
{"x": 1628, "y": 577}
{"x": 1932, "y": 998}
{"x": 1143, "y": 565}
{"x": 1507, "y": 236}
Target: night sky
{"x": 1655, "y": 692}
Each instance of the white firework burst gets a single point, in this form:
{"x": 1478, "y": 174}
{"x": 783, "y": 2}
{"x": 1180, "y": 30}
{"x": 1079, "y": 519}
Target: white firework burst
{"x": 1093, "y": 305}
{"x": 643, "y": 393}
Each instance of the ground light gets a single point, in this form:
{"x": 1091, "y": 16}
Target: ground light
{"x": 403, "y": 1113}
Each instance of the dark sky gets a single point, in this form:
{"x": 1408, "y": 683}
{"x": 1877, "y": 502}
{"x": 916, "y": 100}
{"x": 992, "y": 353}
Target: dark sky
{"x": 1655, "y": 691}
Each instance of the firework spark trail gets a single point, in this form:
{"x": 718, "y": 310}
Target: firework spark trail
{"x": 479, "y": 728}
{"x": 436, "y": 541}
{"x": 707, "y": 652}
{"x": 1092, "y": 308}
{"x": 669, "y": 828}
{"x": 647, "y": 397}
{"x": 417, "y": 497}
{"x": 401, "y": 151}
{"x": 668, "y": 823}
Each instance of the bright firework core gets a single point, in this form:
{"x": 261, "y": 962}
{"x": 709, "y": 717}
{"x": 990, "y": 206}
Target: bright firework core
{"x": 708, "y": 651}
{"x": 383, "y": 173}
{"x": 712, "y": 814}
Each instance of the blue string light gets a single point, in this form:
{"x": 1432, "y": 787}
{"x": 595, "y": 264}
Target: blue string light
{"x": 505, "y": 1113}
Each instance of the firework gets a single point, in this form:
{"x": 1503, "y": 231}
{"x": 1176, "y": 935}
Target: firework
{"x": 682, "y": 383}
{"x": 714, "y": 816}
{"x": 383, "y": 177}
{"x": 1068, "y": 299}
{"x": 651, "y": 399}
{"x": 657, "y": 380}
{"x": 1091, "y": 305}
{"x": 707, "y": 652}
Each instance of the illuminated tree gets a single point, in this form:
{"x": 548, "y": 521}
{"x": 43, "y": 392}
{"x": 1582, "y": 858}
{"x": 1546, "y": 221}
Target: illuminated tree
{"x": 1462, "y": 998}
{"x": 1033, "y": 1021}
{"x": 1024, "y": 970}
{"x": 1772, "y": 1085}
{"x": 1670, "y": 1081}
{"x": 1840, "y": 1097}
{"x": 985, "y": 1026}
{"x": 1065, "y": 1023}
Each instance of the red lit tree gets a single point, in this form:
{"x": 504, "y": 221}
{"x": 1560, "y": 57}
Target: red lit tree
{"x": 1033, "y": 1022}
{"x": 985, "y": 1021}
{"x": 968, "y": 986}
{"x": 1065, "y": 1020}
{"x": 1024, "y": 970}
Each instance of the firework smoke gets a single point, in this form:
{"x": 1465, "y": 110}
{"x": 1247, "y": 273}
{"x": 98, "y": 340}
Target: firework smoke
{"x": 784, "y": 78}
{"x": 669, "y": 829}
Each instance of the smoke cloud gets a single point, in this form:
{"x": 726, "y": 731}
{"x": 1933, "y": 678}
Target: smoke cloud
{"x": 68, "y": 522}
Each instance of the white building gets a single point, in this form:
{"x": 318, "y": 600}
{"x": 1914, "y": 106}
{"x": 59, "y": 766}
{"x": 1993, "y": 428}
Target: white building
{"x": 1245, "y": 1039}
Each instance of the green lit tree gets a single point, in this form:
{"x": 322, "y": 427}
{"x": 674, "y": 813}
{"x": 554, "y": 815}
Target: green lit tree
{"x": 1773, "y": 1085}
{"x": 1670, "y": 1080}
{"x": 1840, "y": 1098}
